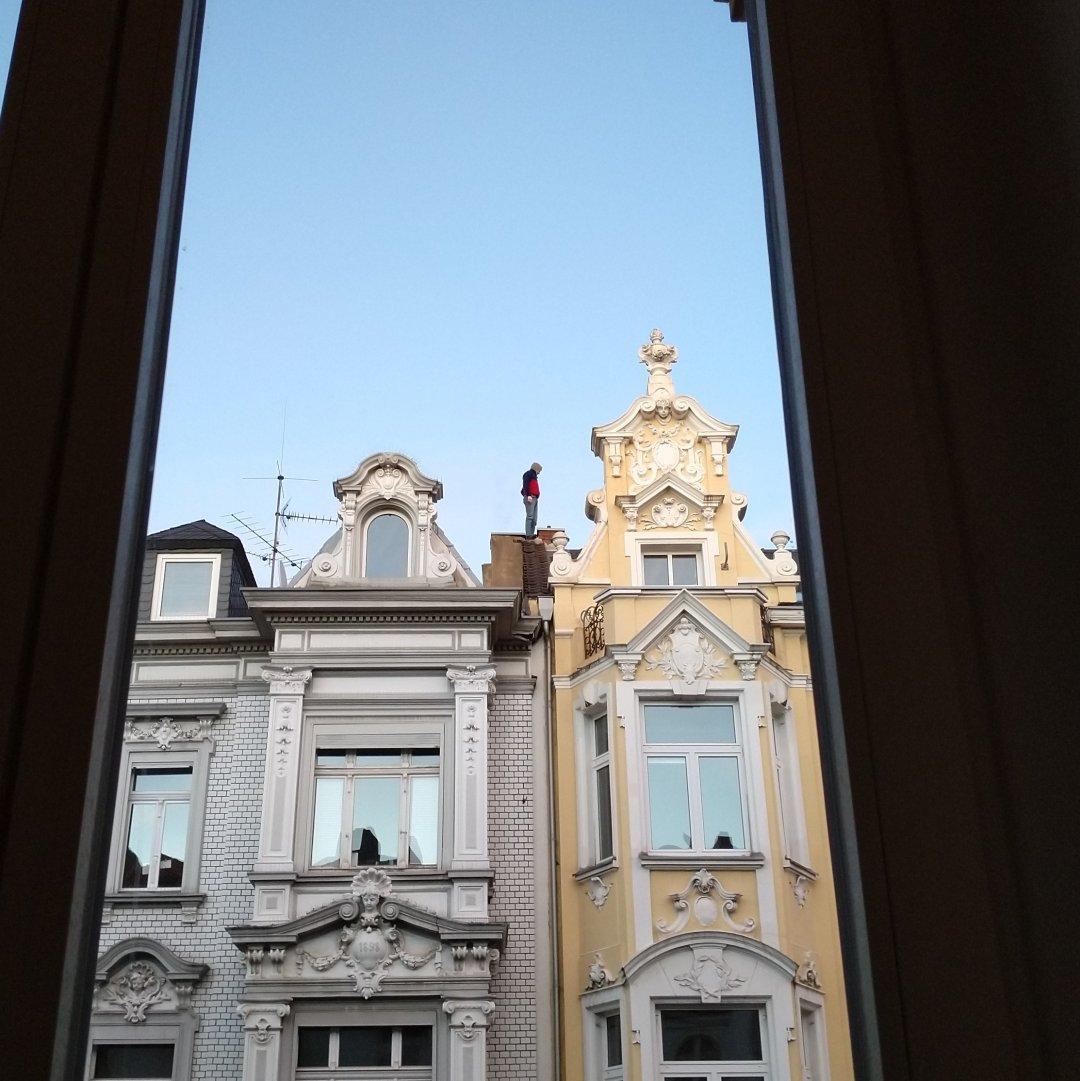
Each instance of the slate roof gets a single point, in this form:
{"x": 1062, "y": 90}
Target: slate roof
{"x": 200, "y": 535}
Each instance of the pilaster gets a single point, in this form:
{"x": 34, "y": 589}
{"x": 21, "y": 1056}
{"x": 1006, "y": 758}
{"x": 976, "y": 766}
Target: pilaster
{"x": 472, "y": 686}
{"x": 262, "y": 1040}
{"x": 280, "y": 780}
{"x": 468, "y": 1038}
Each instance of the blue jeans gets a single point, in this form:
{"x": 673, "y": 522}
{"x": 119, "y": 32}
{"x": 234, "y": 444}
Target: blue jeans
{"x": 531, "y": 510}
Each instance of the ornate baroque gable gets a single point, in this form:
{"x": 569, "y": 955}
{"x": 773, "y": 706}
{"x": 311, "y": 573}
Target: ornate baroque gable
{"x": 139, "y": 978}
{"x": 387, "y": 483}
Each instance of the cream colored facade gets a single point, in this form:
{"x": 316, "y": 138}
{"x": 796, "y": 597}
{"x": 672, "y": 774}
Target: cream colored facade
{"x": 658, "y": 918}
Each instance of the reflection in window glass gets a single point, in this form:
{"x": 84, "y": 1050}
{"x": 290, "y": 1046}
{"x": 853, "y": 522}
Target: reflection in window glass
{"x": 113, "y": 1061}
{"x": 375, "y": 820}
{"x": 416, "y": 1045}
{"x": 367, "y": 1046}
{"x": 684, "y": 570}
{"x": 721, "y": 1035}
{"x": 603, "y": 812}
{"x": 140, "y": 846}
{"x": 712, "y": 722}
{"x": 185, "y": 589}
{"x": 721, "y": 802}
{"x": 161, "y": 780}
{"x": 669, "y": 803}
{"x": 313, "y": 1047}
{"x": 656, "y": 570}
{"x": 173, "y": 845}
{"x": 387, "y": 547}
{"x": 326, "y": 833}
{"x": 423, "y": 820}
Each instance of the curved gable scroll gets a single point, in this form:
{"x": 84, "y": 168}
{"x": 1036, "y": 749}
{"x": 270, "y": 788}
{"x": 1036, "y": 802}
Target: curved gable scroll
{"x": 139, "y": 977}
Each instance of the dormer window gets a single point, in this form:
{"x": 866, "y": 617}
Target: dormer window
{"x": 386, "y": 547}
{"x": 186, "y": 586}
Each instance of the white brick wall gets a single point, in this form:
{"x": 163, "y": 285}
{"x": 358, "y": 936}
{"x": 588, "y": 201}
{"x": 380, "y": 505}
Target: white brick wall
{"x": 511, "y": 808}
{"x": 230, "y": 843}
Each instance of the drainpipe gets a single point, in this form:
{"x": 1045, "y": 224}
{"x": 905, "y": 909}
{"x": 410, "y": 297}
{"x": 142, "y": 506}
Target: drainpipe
{"x": 546, "y": 609}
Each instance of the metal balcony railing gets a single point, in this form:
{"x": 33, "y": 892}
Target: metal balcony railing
{"x": 592, "y": 624}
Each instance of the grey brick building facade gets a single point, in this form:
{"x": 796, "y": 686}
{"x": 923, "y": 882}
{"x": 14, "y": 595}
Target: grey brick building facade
{"x": 331, "y": 850}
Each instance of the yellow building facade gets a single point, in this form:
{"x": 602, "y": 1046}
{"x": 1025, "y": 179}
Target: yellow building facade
{"x": 697, "y": 928}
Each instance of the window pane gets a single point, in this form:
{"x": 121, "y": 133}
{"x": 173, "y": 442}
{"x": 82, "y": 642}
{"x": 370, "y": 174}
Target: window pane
{"x": 173, "y": 845}
{"x": 375, "y": 820}
{"x": 603, "y": 812}
{"x": 367, "y": 1046}
{"x": 614, "y": 1039}
{"x": 711, "y": 722}
{"x": 684, "y": 570}
{"x": 161, "y": 780}
{"x": 721, "y": 803}
{"x": 600, "y": 742}
{"x": 387, "y": 548}
{"x": 424, "y": 820}
{"x": 391, "y": 756}
{"x": 416, "y": 1045}
{"x": 185, "y": 589}
{"x": 669, "y": 803}
{"x": 140, "y": 846}
{"x": 425, "y": 756}
{"x": 326, "y": 831}
{"x": 313, "y": 1047}
{"x": 144, "y": 1060}
{"x": 656, "y": 570}
{"x": 330, "y": 758}
{"x": 726, "y": 1035}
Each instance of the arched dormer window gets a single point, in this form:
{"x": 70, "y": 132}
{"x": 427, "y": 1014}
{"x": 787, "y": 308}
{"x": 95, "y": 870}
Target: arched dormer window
{"x": 386, "y": 547}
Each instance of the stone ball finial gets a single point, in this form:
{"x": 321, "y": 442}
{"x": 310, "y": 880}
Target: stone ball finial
{"x": 560, "y": 540}
{"x": 780, "y": 539}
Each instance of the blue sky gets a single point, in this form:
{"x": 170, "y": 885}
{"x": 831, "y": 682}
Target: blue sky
{"x": 445, "y": 229}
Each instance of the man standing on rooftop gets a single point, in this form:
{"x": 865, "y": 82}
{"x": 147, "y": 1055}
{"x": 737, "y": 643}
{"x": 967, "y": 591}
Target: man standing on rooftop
{"x": 530, "y": 494}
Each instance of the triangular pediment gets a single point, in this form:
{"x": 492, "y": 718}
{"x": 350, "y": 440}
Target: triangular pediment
{"x": 690, "y": 645}
{"x": 370, "y": 937}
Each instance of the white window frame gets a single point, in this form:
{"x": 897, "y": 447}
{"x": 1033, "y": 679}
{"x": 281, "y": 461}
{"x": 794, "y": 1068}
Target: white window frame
{"x": 713, "y": 1070}
{"x": 692, "y": 753}
{"x": 375, "y": 732}
{"x": 597, "y": 1007}
{"x": 178, "y": 756}
{"x": 588, "y": 709}
{"x": 668, "y": 550}
{"x": 350, "y": 774}
{"x": 179, "y": 1033}
{"x": 594, "y": 719}
{"x": 410, "y": 561}
{"x": 165, "y": 558}
{"x": 334, "y": 1072}
{"x": 813, "y": 1039}
{"x": 789, "y": 787}
{"x": 373, "y": 1014}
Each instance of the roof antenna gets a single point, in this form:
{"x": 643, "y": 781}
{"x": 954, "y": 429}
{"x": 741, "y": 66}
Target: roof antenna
{"x": 280, "y": 511}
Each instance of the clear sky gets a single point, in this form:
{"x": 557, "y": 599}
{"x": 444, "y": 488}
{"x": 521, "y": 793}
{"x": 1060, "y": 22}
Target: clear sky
{"x": 445, "y": 229}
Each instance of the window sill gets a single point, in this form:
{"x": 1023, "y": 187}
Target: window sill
{"x": 188, "y": 903}
{"x": 800, "y": 869}
{"x": 695, "y": 860}
{"x": 600, "y": 868}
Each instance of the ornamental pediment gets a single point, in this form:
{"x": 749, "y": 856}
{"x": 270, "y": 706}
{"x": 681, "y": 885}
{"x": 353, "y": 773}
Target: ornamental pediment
{"x": 370, "y": 939}
{"x": 669, "y": 502}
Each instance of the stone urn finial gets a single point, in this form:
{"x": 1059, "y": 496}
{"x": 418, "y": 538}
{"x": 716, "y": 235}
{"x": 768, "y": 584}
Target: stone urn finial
{"x": 658, "y": 357}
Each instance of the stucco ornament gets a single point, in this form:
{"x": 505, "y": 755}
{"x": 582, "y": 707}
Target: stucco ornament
{"x": 710, "y": 975}
{"x": 371, "y": 944}
{"x": 665, "y": 445}
{"x": 597, "y": 975}
{"x": 669, "y": 513}
{"x": 808, "y": 972}
{"x": 783, "y": 561}
{"x": 687, "y": 657}
{"x": 597, "y": 891}
{"x": 705, "y": 907}
{"x": 165, "y": 731}
{"x": 659, "y": 357}
{"x": 135, "y": 989}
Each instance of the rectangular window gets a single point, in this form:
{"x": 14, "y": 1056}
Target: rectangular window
{"x": 146, "y": 1061}
{"x": 157, "y": 824}
{"x": 694, "y": 774}
{"x": 363, "y": 1048}
{"x": 376, "y": 807}
{"x": 812, "y": 1031}
{"x": 185, "y": 587}
{"x": 600, "y": 789}
{"x": 613, "y": 1042}
{"x": 712, "y": 1044}
{"x": 671, "y": 568}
